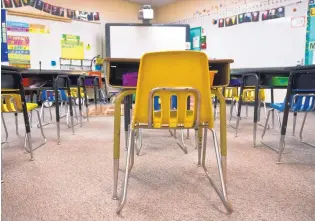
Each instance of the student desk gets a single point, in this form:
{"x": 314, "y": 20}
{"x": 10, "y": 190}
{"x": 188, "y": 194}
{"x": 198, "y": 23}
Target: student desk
{"x": 11, "y": 82}
{"x": 116, "y": 67}
{"x": 260, "y": 78}
{"x": 55, "y": 80}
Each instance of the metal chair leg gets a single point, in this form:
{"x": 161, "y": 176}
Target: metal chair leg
{"x": 294, "y": 123}
{"x": 301, "y": 131}
{"x": 42, "y": 133}
{"x": 138, "y": 141}
{"x": 246, "y": 111}
{"x": 181, "y": 144}
{"x": 279, "y": 119}
{"x": 221, "y": 192}
{"x": 171, "y": 133}
{"x": 271, "y": 111}
{"x": 231, "y": 110}
{"x": 122, "y": 200}
{"x": 187, "y": 135}
{"x": 42, "y": 115}
{"x": 16, "y": 124}
{"x": 5, "y": 129}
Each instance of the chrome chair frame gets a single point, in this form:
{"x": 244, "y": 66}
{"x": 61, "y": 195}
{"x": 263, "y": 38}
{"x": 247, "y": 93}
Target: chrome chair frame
{"x": 294, "y": 122}
{"x": 201, "y": 149}
{"x": 234, "y": 102}
{"x": 27, "y": 139}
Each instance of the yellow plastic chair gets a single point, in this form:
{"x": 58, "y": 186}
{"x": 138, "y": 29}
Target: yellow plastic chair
{"x": 12, "y": 103}
{"x": 248, "y": 97}
{"x": 183, "y": 74}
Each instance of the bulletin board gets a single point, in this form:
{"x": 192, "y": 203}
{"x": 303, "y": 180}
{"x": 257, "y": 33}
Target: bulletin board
{"x": 46, "y": 42}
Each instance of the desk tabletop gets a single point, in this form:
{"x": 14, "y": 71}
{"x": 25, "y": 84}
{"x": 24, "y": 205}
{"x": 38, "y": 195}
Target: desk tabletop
{"x": 137, "y": 60}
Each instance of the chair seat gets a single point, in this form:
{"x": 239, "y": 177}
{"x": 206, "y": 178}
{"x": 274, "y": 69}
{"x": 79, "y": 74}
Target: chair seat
{"x": 31, "y": 106}
{"x": 278, "y": 106}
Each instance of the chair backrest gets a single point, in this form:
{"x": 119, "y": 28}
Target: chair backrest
{"x": 173, "y": 69}
{"x": 303, "y": 102}
{"x": 230, "y": 92}
{"x": 249, "y": 95}
{"x": 11, "y": 103}
{"x": 49, "y": 95}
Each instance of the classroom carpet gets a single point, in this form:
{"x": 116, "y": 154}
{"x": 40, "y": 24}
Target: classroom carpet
{"x": 73, "y": 180}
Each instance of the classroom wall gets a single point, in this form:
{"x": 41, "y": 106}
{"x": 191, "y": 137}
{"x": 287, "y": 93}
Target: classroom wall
{"x": 184, "y": 9}
{"x": 110, "y": 10}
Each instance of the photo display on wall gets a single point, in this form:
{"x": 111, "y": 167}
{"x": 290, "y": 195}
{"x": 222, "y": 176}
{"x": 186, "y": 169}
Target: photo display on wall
{"x": 251, "y": 17}
{"x": 53, "y": 9}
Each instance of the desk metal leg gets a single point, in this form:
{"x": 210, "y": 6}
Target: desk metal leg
{"x": 199, "y": 132}
{"x": 239, "y": 109}
{"x": 223, "y": 134}
{"x": 26, "y": 122}
{"x": 273, "y": 112}
{"x": 16, "y": 123}
{"x": 256, "y": 104}
{"x": 284, "y": 121}
{"x": 294, "y": 123}
{"x": 126, "y": 118}
{"x": 116, "y": 152}
{"x": 57, "y": 113}
{"x": 71, "y": 108}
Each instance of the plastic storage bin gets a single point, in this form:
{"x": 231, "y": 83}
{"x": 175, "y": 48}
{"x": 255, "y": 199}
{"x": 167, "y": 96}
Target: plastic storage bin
{"x": 130, "y": 79}
{"x": 279, "y": 81}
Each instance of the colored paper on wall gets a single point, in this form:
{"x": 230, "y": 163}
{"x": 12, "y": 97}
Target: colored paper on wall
{"x": 203, "y": 42}
{"x": 195, "y": 36}
{"x": 19, "y": 53}
{"x": 221, "y": 22}
{"x": 17, "y": 26}
{"x": 72, "y": 47}
{"x": 8, "y": 4}
{"x": 38, "y": 28}
{"x": 310, "y": 36}
{"x": 4, "y": 43}
{"x": 17, "y": 3}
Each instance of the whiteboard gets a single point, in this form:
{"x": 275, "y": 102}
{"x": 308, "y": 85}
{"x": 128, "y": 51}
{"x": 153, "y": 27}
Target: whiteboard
{"x": 132, "y": 41}
{"x": 270, "y": 43}
{"x": 47, "y": 47}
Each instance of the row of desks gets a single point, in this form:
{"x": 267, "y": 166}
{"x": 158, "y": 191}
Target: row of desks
{"x": 251, "y": 77}
{"x": 12, "y": 78}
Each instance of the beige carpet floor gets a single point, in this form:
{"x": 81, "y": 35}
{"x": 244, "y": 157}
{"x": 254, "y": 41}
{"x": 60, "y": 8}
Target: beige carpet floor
{"x": 73, "y": 181}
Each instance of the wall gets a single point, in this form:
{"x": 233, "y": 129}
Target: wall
{"x": 110, "y": 10}
{"x": 184, "y": 9}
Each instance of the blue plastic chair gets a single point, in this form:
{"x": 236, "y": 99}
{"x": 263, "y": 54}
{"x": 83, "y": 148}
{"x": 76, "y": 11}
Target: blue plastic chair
{"x": 299, "y": 103}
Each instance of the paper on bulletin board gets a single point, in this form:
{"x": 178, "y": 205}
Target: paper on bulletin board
{"x": 39, "y": 29}
{"x": 196, "y": 42}
{"x": 17, "y": 26}
{"x": 19, "y": 53}
{"x": 72, "y": 47}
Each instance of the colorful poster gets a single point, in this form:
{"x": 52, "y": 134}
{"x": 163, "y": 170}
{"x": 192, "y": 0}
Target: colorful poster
{"x": 195, "y": 38}
{"x": 310, "y": 35}
{"x": 72, "y": 47}
{"x": 38, "y": 28}
{"x": 4, "y": 43}
{"x": 17, "y": 26}
{"x": 19, "y": 53}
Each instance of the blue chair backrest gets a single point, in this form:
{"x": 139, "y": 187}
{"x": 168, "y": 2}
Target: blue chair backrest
{"x": 302, "y": 102}
{"x": 49, "y": 95}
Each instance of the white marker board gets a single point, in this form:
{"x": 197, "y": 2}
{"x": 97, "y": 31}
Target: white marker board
{"x": 133, "y": 40}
